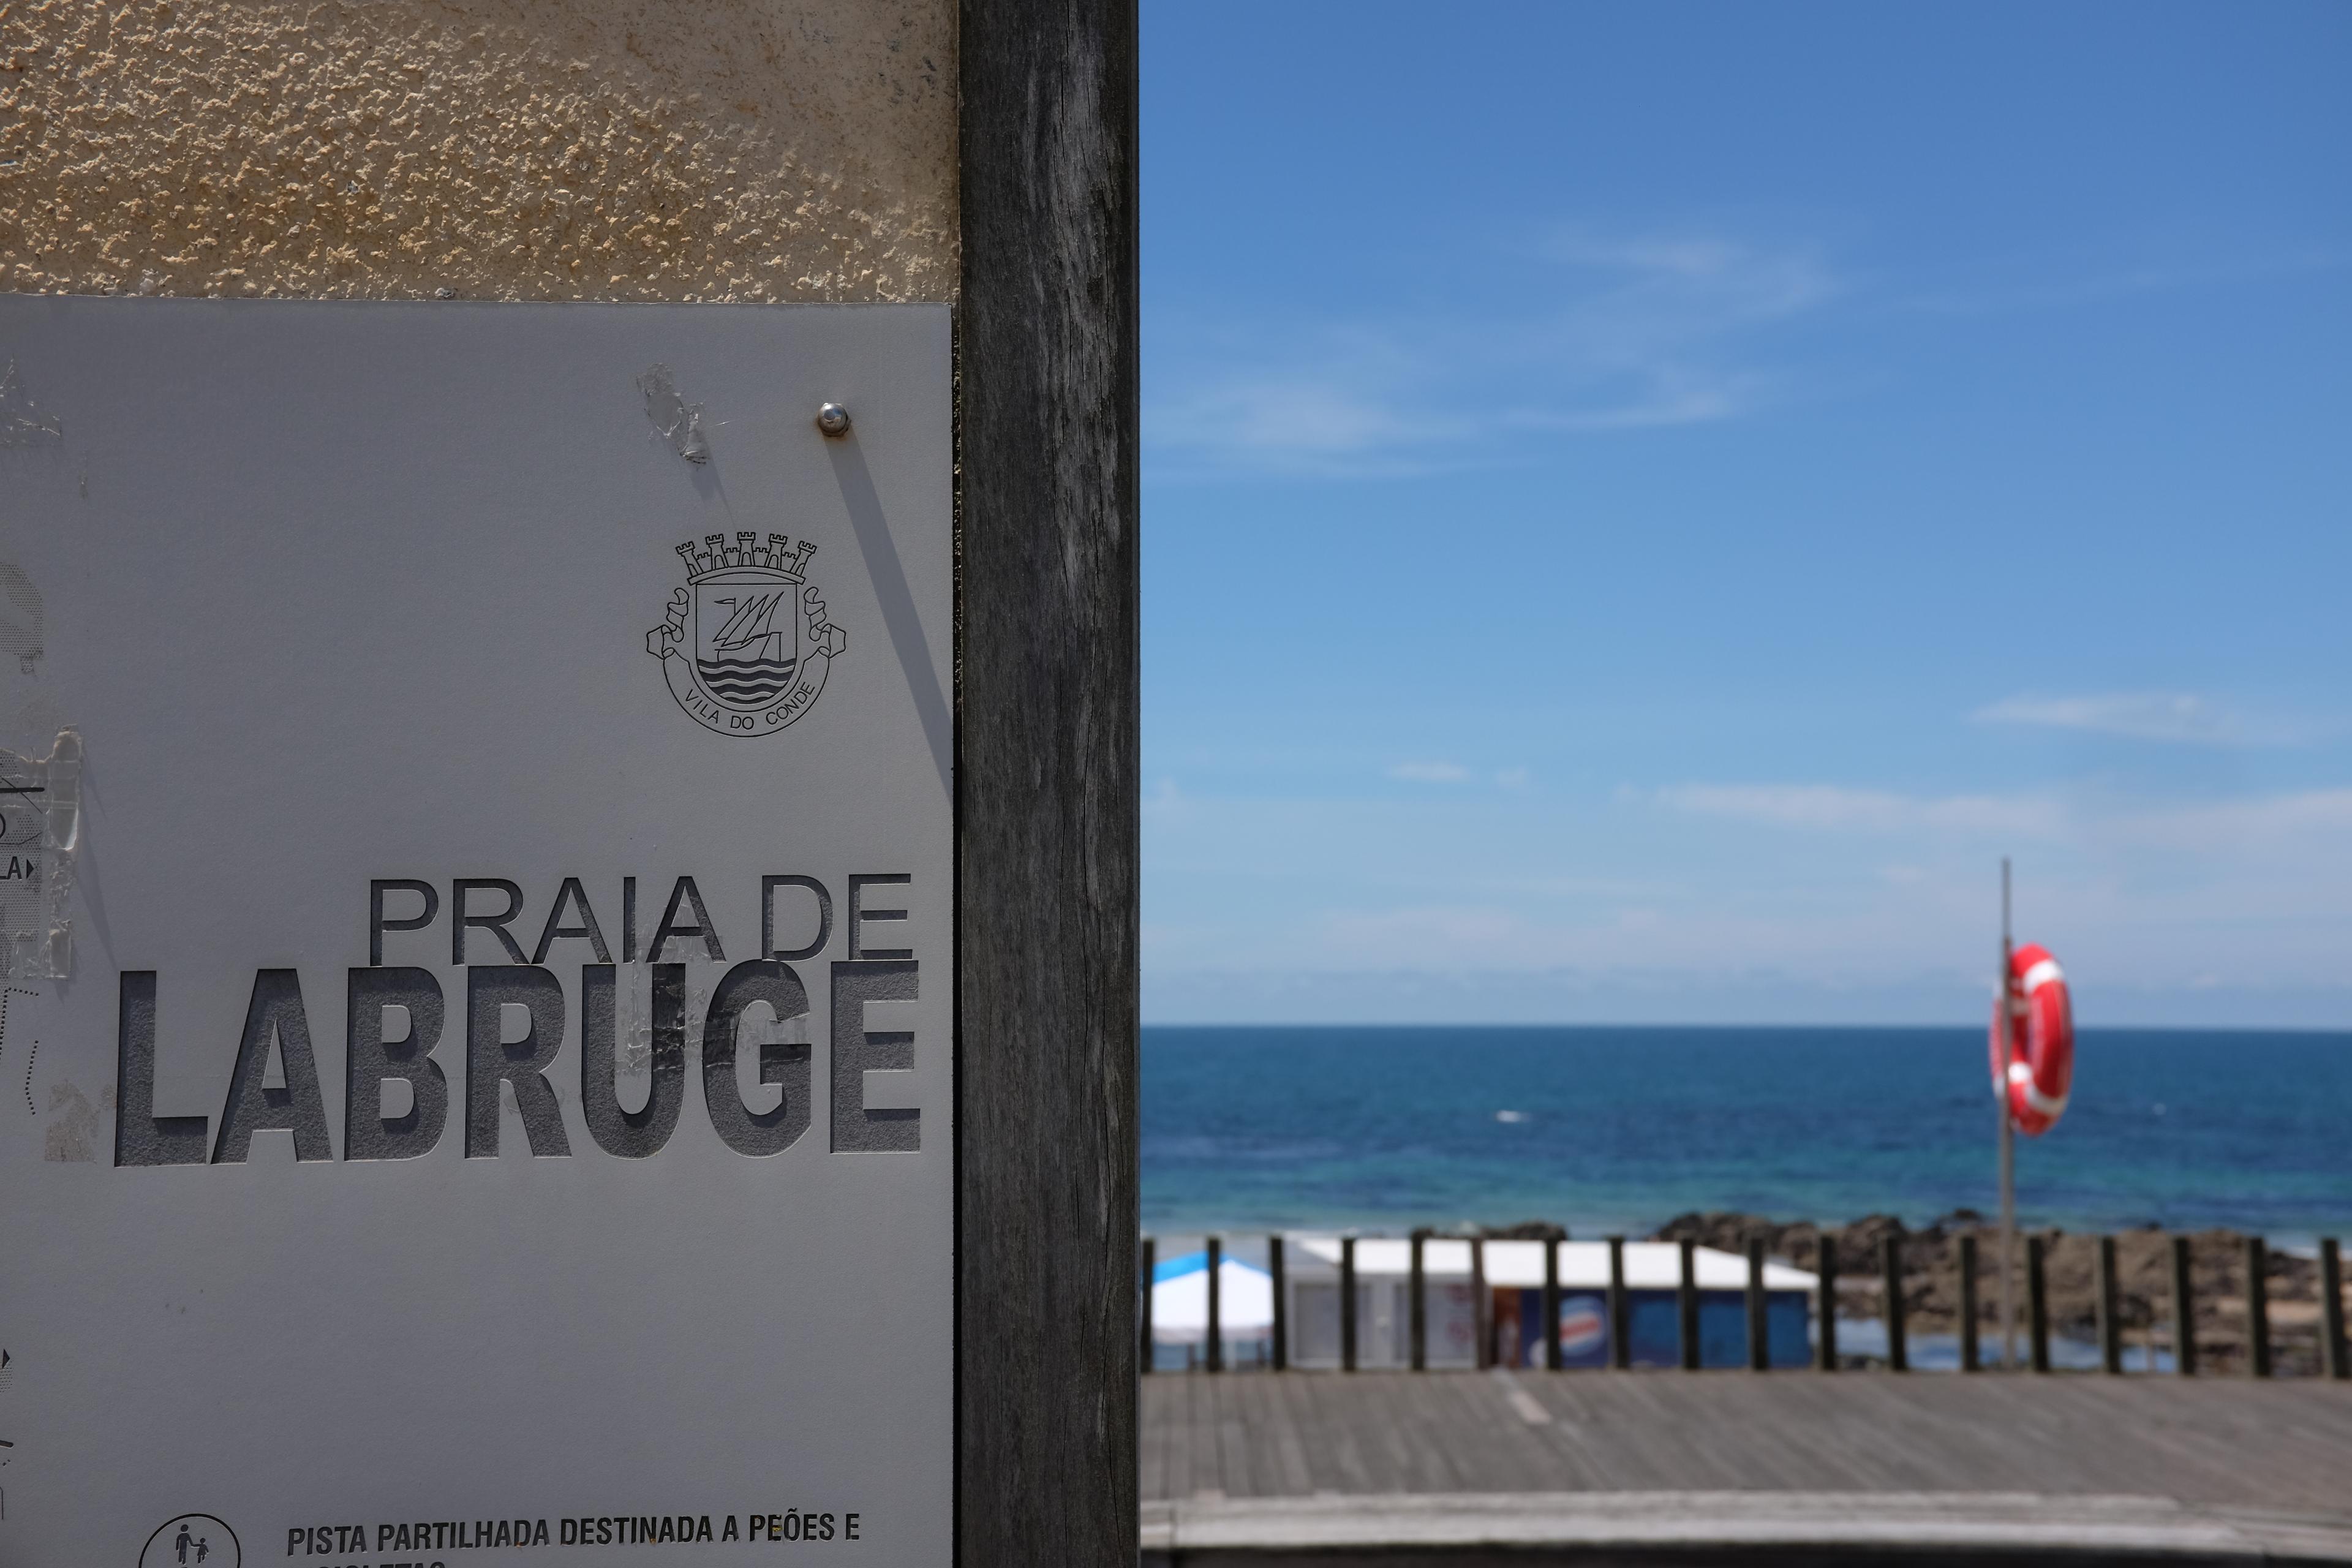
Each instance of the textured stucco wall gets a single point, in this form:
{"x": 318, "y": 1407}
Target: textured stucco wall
{"x": 751, "y": 150}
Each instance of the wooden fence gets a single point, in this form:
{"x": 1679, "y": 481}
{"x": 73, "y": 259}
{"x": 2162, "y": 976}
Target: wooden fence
{"x": 2334, "y": 1362}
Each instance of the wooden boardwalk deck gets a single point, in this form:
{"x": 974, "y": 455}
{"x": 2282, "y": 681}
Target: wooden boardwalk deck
{"x": 2205, "y": 1442}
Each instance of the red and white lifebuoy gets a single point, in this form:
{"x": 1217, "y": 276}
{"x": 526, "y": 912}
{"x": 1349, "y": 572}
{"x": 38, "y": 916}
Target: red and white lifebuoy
{"x": 2041, "y": 1041}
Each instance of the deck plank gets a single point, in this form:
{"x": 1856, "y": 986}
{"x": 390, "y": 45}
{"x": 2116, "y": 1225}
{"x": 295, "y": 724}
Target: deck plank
{"x": 2207, "y": 1441}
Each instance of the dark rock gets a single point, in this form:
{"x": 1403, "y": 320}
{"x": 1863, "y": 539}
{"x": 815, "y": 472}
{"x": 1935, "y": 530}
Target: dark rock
{"x": 2070, "y": 1273}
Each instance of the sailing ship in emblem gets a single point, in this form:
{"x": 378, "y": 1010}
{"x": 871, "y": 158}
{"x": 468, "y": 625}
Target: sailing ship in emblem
{"x": 748, "y": 658}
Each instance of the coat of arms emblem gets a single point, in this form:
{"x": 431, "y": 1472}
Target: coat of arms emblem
{"x": 746, "y": 645}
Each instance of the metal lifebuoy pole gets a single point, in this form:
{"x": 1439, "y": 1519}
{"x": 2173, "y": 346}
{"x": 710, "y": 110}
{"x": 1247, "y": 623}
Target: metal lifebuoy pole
{"x": 2008, "y": 1145}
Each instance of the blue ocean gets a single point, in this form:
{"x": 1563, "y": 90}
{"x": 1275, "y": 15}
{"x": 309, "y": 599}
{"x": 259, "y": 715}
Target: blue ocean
{"x": 1616, "y": 1130}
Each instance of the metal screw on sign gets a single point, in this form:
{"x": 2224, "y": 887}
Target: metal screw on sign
{"x": 832, "y": 419}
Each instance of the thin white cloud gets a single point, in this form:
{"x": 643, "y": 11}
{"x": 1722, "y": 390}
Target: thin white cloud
{"x": 1632, "y": 937}
{"x": 1674, "y": 397}
{"x": 1448, "y": 929}
{"x": 2297, "y": 822}
{"x": 2178, "y": 717}
{"x": 2296, "y": 826}
{"x": 1516, "y": 778}
{"x": 1830, "y": 808}
{"x": 1299, "y": 417}
{"x": 1431, "y": 772}
{"x": 1691, "y": 256}
{"x": 1641, "y": 332}
{"x": 1651, "y": 299}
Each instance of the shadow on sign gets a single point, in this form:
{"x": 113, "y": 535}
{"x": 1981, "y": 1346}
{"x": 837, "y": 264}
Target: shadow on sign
{"x": 898, "y": 600}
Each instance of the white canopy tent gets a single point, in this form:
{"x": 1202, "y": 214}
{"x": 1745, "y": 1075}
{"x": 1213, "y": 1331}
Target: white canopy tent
{"x": 1583, "y": 1264}
{"x": 1179, "y": 1302}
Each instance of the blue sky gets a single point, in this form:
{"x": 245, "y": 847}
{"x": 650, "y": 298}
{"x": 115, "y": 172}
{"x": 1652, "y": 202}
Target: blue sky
{"x": 1643, "y": 504}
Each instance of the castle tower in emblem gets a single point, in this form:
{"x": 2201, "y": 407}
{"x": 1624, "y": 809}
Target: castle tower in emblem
{"x": 759, "y": 642}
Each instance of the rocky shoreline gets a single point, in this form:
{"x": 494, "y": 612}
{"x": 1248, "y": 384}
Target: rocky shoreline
{"x": 2143, "y": 1280}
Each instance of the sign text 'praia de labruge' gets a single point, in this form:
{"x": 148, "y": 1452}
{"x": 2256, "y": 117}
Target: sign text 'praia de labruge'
{"x": 518, "y": 1015}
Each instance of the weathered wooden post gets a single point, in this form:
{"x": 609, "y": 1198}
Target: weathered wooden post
{"x": 1760, "y": 1342}
{"x": 1347, "y": 1303}
{"x": 2258, "y": 1315}
{"x": 2335, "y": 1356}
{"x": 1417, "y": 1307}
{"x": 1482, "y": 1321}
{"x": 1552, "y": 1298}
{"x": 2111, "y": 1329}
{"x": 1276, "y": 1279}
{"x": 1825, "y": 1276}
{"x": 644, "y": 537}
{"x": 1890, "y": 1277}
{"x": 1971, "y": 1352}
{"x": 1216, "y": 1358}
{"x": 2037, "y": 1306}
{"x": 1621, "y": 1309}
{"x": 1049, "y": 777}
{"x": 2184, "y": 1311}
{"x": 1686, "y": 1305}
{"x": 1151, "y": 1250}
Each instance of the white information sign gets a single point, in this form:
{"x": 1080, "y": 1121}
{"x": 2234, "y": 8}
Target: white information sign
{"x": 479, "y": 920}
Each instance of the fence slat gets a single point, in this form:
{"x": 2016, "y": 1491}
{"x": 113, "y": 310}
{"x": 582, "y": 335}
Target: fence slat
{"x": 1620, "y": 1308}
{"x": 2111, "y": 1330}
{"x": 1552, "y": 1298}
{"x": 1971, "y": 1354}
{"x": 2258, "y": 1315}
{"x": 1759, "y": 1342}
{"x": 1275, "y": 1277}
{"x": 1825, "y": 1266}
{"x": 2335, "y": 1357}
{"x": 2037, "y": 1306}
{"x": 1481, "y": 1305}
{"x": 2184, "y": 1311}
{"x": 1686, "y": 1305}
{"x": 1890, "y": 1286}
{"x": 1416, "y": 1309}
{"x": 1347, "y": 1303}
{"x": 1151, "y": 1259}
{"x": 1216, "y": 1358}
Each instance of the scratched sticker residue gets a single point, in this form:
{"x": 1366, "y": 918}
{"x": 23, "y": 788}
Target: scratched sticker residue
{"x": 40, "y": 828}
